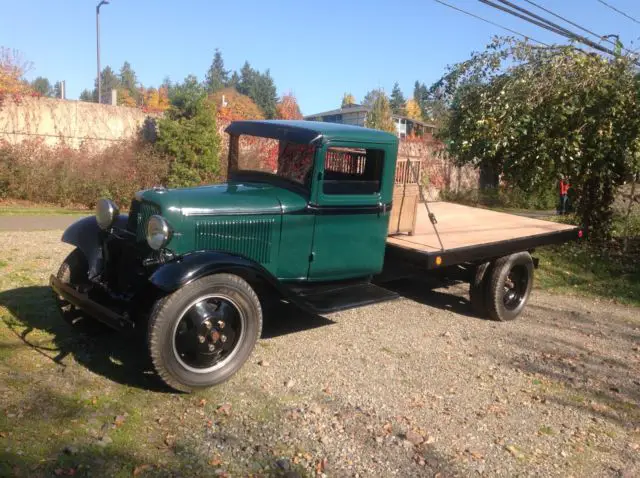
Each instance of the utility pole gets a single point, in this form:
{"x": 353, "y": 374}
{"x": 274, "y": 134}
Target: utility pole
{"x": 103, "y": 2}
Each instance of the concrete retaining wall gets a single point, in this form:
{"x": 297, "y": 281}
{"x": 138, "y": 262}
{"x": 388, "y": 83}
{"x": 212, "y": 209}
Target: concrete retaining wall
{"x": 74, "y": 123}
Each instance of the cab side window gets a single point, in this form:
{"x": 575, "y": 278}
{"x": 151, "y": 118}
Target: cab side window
{"x": 352, "y": 171}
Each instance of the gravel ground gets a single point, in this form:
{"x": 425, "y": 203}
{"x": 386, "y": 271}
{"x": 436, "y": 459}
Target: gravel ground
{"x": 413, "y": 387}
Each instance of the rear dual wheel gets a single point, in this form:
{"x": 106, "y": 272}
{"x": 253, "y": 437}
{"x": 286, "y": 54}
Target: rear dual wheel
{"x": 200, "y": 335}
{"x": 501, "y": 289}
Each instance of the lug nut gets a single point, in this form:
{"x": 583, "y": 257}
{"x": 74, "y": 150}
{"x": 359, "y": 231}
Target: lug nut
{"x": 211, "y": 347}
{"x": 207, "y": 324}
{"x": 201, "y": 338}
{"x": 223, "y": 338}
{"x": 221, "y": 324}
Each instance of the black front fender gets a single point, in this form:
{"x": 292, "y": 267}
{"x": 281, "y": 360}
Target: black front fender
{"x": 174, "y": 275}
{"x": 87, "y": 236}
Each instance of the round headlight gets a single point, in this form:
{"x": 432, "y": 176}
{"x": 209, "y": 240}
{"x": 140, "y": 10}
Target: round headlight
{"x": 106, "y": 213}
{"x": 158, "y": 232}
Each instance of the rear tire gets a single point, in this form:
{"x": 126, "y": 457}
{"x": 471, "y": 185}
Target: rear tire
{"x": 200, "y": 335}
{"x": 509, "y": 286}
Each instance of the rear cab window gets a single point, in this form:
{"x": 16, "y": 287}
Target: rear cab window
{"x": 352, "y": 171}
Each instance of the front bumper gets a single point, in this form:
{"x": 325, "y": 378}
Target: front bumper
{"x": 82, "y": 301}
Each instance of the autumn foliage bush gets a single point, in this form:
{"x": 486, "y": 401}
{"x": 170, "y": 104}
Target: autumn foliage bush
{"x": 64, "y": 176}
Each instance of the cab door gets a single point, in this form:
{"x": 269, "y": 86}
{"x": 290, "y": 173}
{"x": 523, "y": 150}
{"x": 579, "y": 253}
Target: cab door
{"x": 352, "y": 201}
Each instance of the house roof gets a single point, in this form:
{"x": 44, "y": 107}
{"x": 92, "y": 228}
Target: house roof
{"x": 363, "y": 109}
{"x": 340, "y": 111}
{"x": 306, "y": 132}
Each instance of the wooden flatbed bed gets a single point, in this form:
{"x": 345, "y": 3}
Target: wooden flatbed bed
{"x": 472, "y": 234}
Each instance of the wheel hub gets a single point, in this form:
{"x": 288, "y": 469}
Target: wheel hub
{"x": 515, "y": 287}
{"x": 202, "y": 346}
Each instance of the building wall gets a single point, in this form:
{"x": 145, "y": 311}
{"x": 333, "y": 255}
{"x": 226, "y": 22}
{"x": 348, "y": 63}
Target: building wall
{"x": 73, "y": 123}
{"x": 439, "y": 171}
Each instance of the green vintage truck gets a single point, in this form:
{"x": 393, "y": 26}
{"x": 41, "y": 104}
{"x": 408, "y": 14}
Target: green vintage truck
{"x": 322, "y": 228}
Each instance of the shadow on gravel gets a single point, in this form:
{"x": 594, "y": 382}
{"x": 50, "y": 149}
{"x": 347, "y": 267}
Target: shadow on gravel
{"x": 423, "y": 292}
{"x": 589, "y": 365}
{"x": 106, "y": 352}
{"x": 284, "y": 319}
{"x": 101, "y": 350}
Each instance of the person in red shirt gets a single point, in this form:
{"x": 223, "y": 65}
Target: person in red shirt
{"x": 564, "y": 190}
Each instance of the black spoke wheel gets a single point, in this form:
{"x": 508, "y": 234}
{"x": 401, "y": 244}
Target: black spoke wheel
{"x": 509, "y": 286}
{"x": 203, "y": 333}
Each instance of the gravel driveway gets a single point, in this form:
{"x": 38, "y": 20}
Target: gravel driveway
{"x": 414, "y": 387}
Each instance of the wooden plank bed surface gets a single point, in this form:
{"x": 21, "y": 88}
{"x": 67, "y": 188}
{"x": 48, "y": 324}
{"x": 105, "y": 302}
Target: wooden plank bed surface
{"x": 463, "y": 226}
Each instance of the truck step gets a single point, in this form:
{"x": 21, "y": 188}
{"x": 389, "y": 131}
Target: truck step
{"x": 341, "y": 297}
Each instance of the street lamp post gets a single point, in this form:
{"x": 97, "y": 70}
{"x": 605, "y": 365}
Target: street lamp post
{"x": 103, "y": 2}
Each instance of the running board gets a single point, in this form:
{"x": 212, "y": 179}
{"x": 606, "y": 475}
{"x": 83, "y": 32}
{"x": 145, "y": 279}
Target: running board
{"x": 328, "y": 299}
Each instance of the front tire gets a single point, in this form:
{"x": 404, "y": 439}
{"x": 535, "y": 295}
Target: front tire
{"x": 74, "y": 271}
{"x": 509, "y": 286}
{"x": 200, "y": 335}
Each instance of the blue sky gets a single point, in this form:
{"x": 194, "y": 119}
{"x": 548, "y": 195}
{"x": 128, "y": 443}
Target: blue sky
{"x": 317, "y": 50}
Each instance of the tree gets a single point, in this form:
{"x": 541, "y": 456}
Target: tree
{"x": 412, "y": 110}
{"x": 128, "y": 78}
{"x": 188, "y": 134}
{"x": 397, "y": 101}
{"x": 12, "y": 70}
{"x": 234, "y": 81}
{"x": 348, "y": 99}
{"x": 260, "y": 87}
{"x": 125, "y": 98}
{"x": 128, "y": 93}
{"x": 57, "y": 90}
{"x": 265, "y": 94}
{"x": 246, "y": 79}
{"x": 109, "y": 82}
{"x": 87, "y": 96}
{"x": 154, "y": 100}
{"x": 533, "y": 114}
{"x": 217, "y": 77}
{"x": 235, "y": 105}
{"x": 288, "y": 108}
{"x": 42, "y": 86}
{"x": 379, "y": 115}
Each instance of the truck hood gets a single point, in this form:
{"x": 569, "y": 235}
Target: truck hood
{"x": 224, "y": 199}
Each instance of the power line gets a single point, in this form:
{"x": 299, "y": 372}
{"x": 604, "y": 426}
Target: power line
{"x": 601, "y": 37}
{"x": 569, "y": 21}
{"x": 546, "y": 24}
{"x": 619, "y": 11}
{"x": 490, "y": 22}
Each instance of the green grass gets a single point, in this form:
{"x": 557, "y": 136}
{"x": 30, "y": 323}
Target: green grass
{"x": 42, "y": 211}
{"x": 580, "y": 269}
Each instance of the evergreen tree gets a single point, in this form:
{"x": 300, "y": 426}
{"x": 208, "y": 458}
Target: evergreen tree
{"x": 421, "y": 97}
{"x": 265, "y": 94}
{"x": 397, "y": 101}
{"x": 42, "y": 86}
{"x": 188, "y": 133}
{"x": 110, "y": 81}
{"x": 234, "y": 81}
{"x": 128, "y": 92}
{"x": 57, "y": 90}
{"x": 217, "y": 77}
{"x": 379, "y": 116}
{"x": 247, "y": 79}
{"x": 260, "y": 87}
{"x": 128, "y": 78}
{"x": 87, "y": 96}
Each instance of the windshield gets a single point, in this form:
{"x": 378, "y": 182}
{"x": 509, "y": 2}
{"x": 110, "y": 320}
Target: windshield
{"x": 291, "y": 161}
